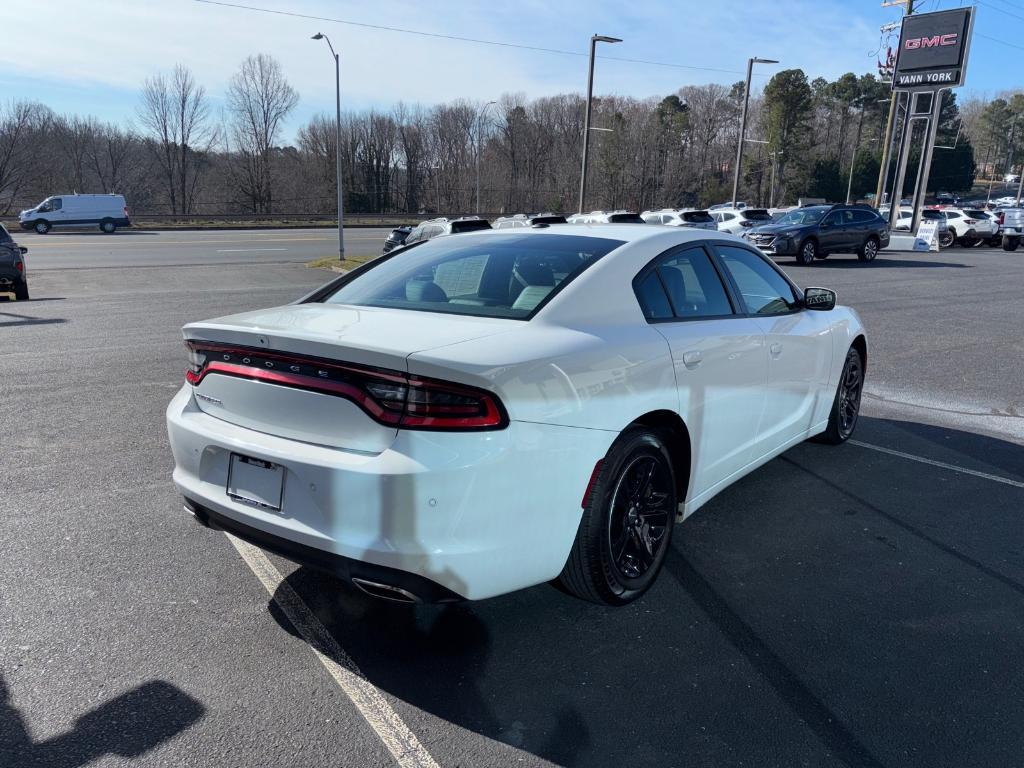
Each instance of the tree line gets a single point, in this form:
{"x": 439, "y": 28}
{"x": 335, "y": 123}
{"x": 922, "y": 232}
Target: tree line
{"x": 181, "y": 156}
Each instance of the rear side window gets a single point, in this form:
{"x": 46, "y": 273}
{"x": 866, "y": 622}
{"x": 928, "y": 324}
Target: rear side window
{"x": 764, "y": 290}
{"x": 506, "y": 274}
{"x": 683, "y": 285}
{"x": 864, "y": 217}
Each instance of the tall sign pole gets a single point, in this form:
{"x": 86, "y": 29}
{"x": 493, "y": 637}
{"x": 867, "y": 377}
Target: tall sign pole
{"x": 932, "y": 57}
{"x": 890, "y": 124}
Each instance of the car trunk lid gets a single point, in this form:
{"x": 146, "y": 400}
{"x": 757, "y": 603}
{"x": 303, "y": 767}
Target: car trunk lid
{"x": 319, "y": 373}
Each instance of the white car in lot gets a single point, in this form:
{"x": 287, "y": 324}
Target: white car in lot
{"x": 681, "y": 217}
{"x": 969, "y": 226}
{"x": 473, "y": 415}
{"x": 736, "y": 221}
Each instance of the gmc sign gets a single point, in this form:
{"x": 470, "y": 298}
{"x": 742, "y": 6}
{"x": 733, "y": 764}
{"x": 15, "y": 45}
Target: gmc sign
{"x": 933, "y": 50}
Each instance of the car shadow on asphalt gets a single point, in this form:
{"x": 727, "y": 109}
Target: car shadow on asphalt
{"x": 19, "y": 319}
{"x": 837, "y": 607}
{"x": 128, "y": 726}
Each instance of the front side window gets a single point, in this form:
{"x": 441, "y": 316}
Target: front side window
{"x": 56, "y": 204}
{"x": 832, "y": 219}
{"x": 502, "y": 275}
{"x": 764, "y": 290}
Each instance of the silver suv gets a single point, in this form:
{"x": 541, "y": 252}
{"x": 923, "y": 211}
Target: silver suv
{"x": 445, "y": 226}
{"x": 1011, "y": 226}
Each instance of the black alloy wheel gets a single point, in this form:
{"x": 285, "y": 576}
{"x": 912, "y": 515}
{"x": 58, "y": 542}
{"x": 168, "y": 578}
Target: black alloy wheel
{"x": 639, "y": 517}
{"x": 846, "y": 407}
{"x": 808, "y": 252}
{"x": 626, "y": 527}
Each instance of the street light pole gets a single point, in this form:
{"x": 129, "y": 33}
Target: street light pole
{"x": 337, "y": 144}
{"x": 594, "y": 40}
{"x": 479, "y": 121}
{"x": 743, "y": 124}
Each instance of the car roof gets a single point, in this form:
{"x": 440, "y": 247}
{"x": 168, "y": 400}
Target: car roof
{"x": 628, "y": 233}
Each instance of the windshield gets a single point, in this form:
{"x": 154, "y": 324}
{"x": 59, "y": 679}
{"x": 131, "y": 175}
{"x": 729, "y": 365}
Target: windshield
{"x": 504, "y": 275}
{"x": 807, "y": 216}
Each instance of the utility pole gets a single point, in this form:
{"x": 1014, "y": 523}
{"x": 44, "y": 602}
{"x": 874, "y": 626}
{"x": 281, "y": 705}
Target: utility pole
{"x": 594, "y": 40}
{"x": 337, "y": 144}
{"x": 743, "y": 124}
{"x": 883, "y": 171}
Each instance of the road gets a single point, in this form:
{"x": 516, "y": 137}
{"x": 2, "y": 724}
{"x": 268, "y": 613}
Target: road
{"x": 141, "y": 248}
{"x": 859, "y": 605}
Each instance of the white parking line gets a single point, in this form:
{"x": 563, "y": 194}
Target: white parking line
{"x": 400, "y": 741}
{"x": 942, "y": 464}
{"x": 247, "y": 250}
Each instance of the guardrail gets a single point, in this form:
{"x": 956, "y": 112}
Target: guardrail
{"x": 248, "y": 220}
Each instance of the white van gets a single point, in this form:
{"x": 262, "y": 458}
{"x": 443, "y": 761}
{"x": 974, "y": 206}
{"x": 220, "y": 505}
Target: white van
{"x": 108, "y": 212}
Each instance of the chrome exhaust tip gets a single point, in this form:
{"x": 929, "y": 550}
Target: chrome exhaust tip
{"x": 384, "y": 591}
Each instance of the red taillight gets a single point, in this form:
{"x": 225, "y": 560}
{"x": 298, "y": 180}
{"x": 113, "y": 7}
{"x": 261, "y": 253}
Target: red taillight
{"x": 19, "y": 266}
{"x": 126, "y": 211}
{"x": 746, "y": 223}
{"x": 1000, "y": 217}
{"x": 389, "y": 397}
{"x": 970, "y": 221}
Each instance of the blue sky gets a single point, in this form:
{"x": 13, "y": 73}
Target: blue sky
{"x": 91, "y": 57}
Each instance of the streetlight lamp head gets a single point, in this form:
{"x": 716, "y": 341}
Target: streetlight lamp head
{"x": 317, "y": 36}
{"x": 606, "y": 39}
{"x": 756, "y": 60}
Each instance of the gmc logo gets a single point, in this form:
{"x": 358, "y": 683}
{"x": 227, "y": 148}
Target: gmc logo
{"x": 936, "y": 41}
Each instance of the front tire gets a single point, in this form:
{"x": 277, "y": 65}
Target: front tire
{"x": 808, "y": 252}
{"x": 946, "y": 239}
{"x": 627, "y": 522}
{"x": 846, "y": 407}
{"x": 869, "y": 250}
{"x": 42, "y": 227}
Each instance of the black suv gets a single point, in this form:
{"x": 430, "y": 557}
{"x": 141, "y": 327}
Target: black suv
{"x": 396, "y": 238}
{"x": 443, "y": 226}
{"x": 816, "y": 231}
{"x": 12, "y": 266}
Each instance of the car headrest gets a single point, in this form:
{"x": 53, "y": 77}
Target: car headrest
{"x": 424, "y": 290}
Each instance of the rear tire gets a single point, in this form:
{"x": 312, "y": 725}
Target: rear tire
{"x": 1010, "y": 243}
{"x": 846, "y": 406}
{"x": 42, "y": 227}
{"x": 21, "y": 292}
{"x": 869, "y": 250}
{"x": 627, "y": 522}
{"x": 808, "y": 252}
{"x": 107, "y": 226}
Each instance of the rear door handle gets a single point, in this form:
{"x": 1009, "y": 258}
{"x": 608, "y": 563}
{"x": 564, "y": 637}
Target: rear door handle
{"x": 692, "y": 359}
{"x": 775, "y": 349}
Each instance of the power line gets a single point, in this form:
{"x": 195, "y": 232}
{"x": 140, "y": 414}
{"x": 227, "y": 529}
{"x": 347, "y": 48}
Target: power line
{"x": 1001, "y": 42}
{"x": 475, "y": 40}
{"x": 999, "y": 10}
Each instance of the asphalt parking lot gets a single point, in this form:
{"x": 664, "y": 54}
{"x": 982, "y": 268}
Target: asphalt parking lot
{"x": 858, "y": 606}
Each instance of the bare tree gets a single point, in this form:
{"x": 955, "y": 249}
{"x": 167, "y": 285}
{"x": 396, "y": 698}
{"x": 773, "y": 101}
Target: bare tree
{"x": 20, "y": 144}
{"x": 259, "y": 99}
{"x": 176, "y": 114}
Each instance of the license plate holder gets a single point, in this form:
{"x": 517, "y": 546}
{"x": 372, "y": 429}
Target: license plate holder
{"x": 255, "y": 482}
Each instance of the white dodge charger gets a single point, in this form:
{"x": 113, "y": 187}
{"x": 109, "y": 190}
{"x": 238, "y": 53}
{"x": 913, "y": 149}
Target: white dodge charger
{"x": 479, "y": 413}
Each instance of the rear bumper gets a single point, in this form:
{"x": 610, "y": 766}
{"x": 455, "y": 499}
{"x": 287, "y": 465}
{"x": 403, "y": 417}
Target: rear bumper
{"x": 9, "y": 275}
{"x": 467, "y": 515}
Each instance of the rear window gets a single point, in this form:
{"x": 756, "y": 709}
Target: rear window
{"x": 625, "y": 218}
{"x": 697, "y": 217}
{"x": 503, "y": 275}
{"x": 756, "y": 214}
{"x": 977, "y": 214}
{"x": 549, "y": 220}
{"x": 5, "y": 236}
{"x": 469, "y": 226}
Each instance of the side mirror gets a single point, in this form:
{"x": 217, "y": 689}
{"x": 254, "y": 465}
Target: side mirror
{"x": 23, "y": 249}
{"x": 821, "y": 299}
